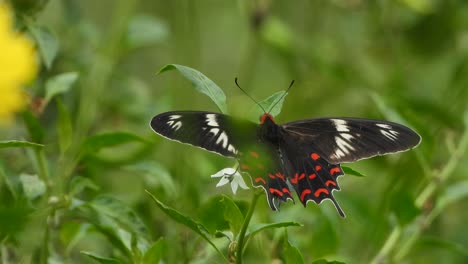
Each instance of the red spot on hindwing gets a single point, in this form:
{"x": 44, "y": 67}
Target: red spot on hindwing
{"x": 315, "y": 156}
{"x": 294, "y": 180}
{"x": 280, "y": 175}
{"x": 302, "y": 176}
{"x": 254, "y": 154}
{"x": 276, "y": 191}
{"x": 304, "y": 193}
{"x": 257, "y": 180}
{"x": 312, "y": 176}
{"x": 334, "y": 170}
{"x": 271, "y": 176}
{"x": 320, "y": 191}
{"x": 330, "y": 182}
{"x": 318, "y": 167}
{"x": 286, "y": 190}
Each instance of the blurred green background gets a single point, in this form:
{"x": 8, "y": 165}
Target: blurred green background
{"x": 404, "y": 61}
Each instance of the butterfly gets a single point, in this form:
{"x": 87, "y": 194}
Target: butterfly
{"x": 304, "y": 154}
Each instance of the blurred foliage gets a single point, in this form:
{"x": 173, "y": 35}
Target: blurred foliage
{"x": 74, "y": 167}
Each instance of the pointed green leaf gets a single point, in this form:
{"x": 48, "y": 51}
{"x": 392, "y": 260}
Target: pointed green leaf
{"x": 185, "y": 220}
{"x": 349, "y": 171}
{"x": 79, "y": 183}
{"x": 106, "y": 140}
{"x": 232, "y": 214}
{"x": 121, "y": 213}
{"x": 47, "y": 43}
{"x": 58, "y": 84}
{"x": 35, "y": 129}
{"x": 201, "y": 83}
{"x": 255, "y": 229}
{"x": 19, "y": 144}
{"x": 155, "y": 252}
{"x": 291, "y": 254}
{"x": 275, "y": 100}
{"x": 99, "y": 259}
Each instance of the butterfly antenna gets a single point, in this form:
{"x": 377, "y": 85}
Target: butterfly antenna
{"x": 238, "y": 86}
{"x": 281, "y": 98}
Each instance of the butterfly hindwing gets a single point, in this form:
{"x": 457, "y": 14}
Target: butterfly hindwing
{"x": 265, "y": 170}
{"x": 313, "y": 178}
{"x": 350, "y": 139}
{"x": 214, "y": 132}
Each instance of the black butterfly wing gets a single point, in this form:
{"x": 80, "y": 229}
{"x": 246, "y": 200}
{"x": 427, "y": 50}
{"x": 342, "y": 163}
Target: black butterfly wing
{"x": 312, "y": 176}
{"x": 312, "y": 150}
{"x": 340, "y": 140}
{"x": 214, "y": 132}
{"x": 264, "y": 165}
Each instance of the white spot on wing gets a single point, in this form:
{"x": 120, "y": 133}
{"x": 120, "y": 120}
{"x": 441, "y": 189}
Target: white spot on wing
{"x": 223, "y": 139}
{"x": 384, "y": 126}
{"x": 211, "y": 120}
{"x": 174, "y": 125}
{"x": 232, "y": 149}
{"x": 340, "y": 125}
{"x": 172, "y": 117}
{"x": 390, "y": 134}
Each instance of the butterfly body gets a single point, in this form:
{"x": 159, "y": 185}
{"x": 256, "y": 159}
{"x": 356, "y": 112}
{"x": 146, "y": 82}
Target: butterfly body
{"x": 304, "y": 154}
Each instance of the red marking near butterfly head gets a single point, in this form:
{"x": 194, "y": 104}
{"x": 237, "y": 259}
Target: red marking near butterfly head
{"x": 266, "y": 116}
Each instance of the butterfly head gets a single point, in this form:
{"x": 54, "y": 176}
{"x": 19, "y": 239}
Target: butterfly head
{"x": 266, "y": 117}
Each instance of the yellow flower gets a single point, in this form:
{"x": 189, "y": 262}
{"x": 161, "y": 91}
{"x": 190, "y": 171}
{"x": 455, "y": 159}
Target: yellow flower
{"x": 18, "y": 66}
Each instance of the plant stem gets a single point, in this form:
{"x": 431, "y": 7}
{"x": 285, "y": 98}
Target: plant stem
{"x": 240, "y": 243}
{"x": 388, "y": 245}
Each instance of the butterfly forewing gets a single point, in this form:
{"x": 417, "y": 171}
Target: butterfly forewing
{"x": 211, "y": 131}
{"x": 349, "y": 139}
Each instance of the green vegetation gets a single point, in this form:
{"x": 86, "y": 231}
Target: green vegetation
{"x": 83, "y": 179}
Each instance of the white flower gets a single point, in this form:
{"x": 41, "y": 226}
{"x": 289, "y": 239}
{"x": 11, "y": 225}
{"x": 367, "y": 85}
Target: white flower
{"x": 230, "y": 175}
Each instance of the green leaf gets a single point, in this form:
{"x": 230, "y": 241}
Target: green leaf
{"x": 185, "y": 220}
{"x": 121, "y": 213}
{"x": 349, "y": 171}
{"x": 58, "y": 84}
{"x": 98, "y": 142}
{"x": 324, "y": 261}
{"x": 268, "y": 103}
{"x": 290, "y": 253}
{"x": 79, "y": 183}
{"x": 155, "y": 252}
{"x": 209, "y": 214}
{"x": 19, "y": 144}
{"x": 255, "y": 229}
{"x": 144, "y": 30}
{"x": 33, "y": 187}
{"x": 201, "y": 84}
{"x": 34, "y": 127}
{"x": 232, "y": 214}
{"x": 47, "y": 43}
{"x": 64, "y": 127}
{"x": 100, "y": 259}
